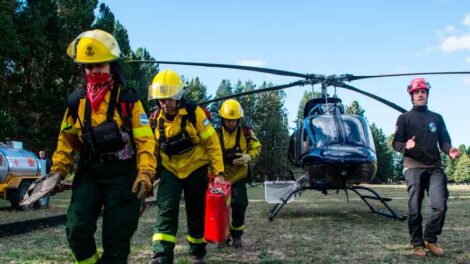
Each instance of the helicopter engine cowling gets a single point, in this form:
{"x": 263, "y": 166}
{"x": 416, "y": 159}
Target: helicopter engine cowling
{"x": 339, "y": 165}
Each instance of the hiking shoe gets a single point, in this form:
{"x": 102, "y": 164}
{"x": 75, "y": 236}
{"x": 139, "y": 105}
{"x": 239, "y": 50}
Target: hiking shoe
{"x": 435, "y": 249}
{"x": 419, "y": 251}
{"x": 197, "y": 260}
{"x": 237, "y": 242}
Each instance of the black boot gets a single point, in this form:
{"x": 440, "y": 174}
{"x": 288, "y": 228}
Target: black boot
{"x": 197, "y": 260}
{"x": 237, "y": 242}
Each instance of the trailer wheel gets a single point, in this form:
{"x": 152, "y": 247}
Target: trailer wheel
{"x": 42, "y": 203}
{"x": 17, "y": 195}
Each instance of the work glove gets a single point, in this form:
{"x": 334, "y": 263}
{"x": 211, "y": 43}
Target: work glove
{"x": 218, "y": 179}
{"x": 242, "y": 160}
{"x": 143, "y": 184}
{"x": 42, "y": 187}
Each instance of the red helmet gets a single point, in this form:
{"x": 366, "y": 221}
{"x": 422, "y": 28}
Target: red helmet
{"x": 418, "y": 83}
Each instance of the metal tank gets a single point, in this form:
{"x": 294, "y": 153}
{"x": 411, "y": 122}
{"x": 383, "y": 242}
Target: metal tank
{"x": 16, "y": 161}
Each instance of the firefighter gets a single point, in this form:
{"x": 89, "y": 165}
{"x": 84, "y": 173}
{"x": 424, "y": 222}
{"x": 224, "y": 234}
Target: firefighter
{"x": 239, "y": 146}
{"x": 186, "y": 146}
{"x": 116, "y": 165}
{"x": 418, "y": 134}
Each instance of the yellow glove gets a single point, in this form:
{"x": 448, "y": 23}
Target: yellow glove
{"x": 143, "y": 184}
{"x": 242, "y": 160}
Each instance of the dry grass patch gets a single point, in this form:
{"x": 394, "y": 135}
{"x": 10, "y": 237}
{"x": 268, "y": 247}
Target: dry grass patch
{"x": 312, "y": 229}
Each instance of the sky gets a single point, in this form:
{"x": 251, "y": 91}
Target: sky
{"x": 319, "y": 37}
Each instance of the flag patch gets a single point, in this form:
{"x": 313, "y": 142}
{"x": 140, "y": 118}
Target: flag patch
{"x": 206, "y": 122}
{"x": 143, "y": 119}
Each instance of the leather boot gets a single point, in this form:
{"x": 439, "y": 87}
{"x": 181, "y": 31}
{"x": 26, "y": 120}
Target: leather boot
{"x": 419, "y": 251}
{"x": 435, "y": 249}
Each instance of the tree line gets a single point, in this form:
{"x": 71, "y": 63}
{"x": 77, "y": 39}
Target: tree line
{"x": 36, "y": 77}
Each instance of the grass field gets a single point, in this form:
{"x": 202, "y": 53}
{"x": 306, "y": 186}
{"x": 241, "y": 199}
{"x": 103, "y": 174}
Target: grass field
{"x": 313, "y": 229}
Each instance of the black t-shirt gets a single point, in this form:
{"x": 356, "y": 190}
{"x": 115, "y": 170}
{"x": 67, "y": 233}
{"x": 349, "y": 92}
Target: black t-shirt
{"x": 430, "y": 132}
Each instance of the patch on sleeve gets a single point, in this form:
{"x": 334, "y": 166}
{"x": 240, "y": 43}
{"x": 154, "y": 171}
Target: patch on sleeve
{"x": 206, "y": 122}
{"x": 143, "y": 119}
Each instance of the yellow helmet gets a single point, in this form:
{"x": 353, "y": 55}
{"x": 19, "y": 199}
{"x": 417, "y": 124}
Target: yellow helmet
{"x": 94, "y": 46}
{"x": 166, "y": 84}
{"x": 231, "y": 109}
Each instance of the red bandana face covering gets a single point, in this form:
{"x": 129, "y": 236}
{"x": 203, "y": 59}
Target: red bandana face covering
{"x": 98, "y": 85}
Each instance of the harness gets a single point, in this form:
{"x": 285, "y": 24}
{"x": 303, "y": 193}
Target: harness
{"x": 106, "y": 137}
{"x": 230, "y": 154}
{"x": 178, "y": 144}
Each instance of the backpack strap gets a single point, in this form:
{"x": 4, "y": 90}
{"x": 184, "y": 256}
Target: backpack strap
{"x": 191, "y": 109}
{"x": 247, "y": 133}
{"x": 153, "y": 118}
{"x": 73, "y": 101}
{"x": 127, "y": 98}
{"x": 237, "y": 139}
{"x": 220, "y": 133}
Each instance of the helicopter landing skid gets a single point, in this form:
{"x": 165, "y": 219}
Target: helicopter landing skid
{"x": 273, "y": 212}
{"x": 375, "y": 196}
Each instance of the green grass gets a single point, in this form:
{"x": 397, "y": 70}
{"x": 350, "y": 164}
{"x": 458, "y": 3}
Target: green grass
{"x": 313, "y": 229}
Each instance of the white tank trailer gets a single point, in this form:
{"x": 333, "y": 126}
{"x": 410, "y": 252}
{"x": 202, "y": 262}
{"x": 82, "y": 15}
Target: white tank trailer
{"x": 18, "y": 169}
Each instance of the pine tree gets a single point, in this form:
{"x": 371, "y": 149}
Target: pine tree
{"x": 462, "y": 169}
{"x": 272, "y": 132}
{"x": 105, "y": 19}
{"x": 354, "y": 109}
{"x": 307, "y": 96}
{"x": 397, "y": 161}
{"x": 196, "y": 90}
{"x": 248, "y": 102}
{"x": 384, "y": 157}
{"x": 224, "y": 89}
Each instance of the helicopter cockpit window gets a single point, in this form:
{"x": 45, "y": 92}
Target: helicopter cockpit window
{"x": 354, "y": 131}
{"x": 325, "y": 131}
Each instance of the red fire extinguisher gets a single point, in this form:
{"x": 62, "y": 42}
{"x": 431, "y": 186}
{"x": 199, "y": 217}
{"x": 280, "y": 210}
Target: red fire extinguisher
{"x": 217, "y": 218}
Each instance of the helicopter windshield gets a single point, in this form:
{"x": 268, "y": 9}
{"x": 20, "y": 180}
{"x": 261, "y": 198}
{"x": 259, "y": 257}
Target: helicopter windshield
{"x": 342, "y": 129}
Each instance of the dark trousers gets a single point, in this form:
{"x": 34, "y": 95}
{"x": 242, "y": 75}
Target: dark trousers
{"x": 168, "y": 203}
{"x": 103, "y": 187}
{"x": 434, "y": 181}
{"x": 239, "y": 204}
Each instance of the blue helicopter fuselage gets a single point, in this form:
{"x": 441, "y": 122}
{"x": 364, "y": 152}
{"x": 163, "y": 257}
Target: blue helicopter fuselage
{"x": 334, "y": 149}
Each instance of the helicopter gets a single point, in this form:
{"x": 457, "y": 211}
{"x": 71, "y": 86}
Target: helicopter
{"x": 336, "y": 150}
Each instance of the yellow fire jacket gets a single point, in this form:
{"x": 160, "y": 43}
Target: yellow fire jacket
{"x": 70, "y": 136}
{"x": 234, "y": 173}
{"x": 206, "y": 151}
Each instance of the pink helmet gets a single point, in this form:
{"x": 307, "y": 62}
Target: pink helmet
{"x": 418, "y": 83}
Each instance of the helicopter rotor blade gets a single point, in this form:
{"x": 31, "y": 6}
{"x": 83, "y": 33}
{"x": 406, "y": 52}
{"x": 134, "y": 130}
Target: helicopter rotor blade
{"x": 351, "y": 77}
{"x": 228, "y": 66}
{"x": 269, "y": 89}
{"x": 380, "y": 99}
